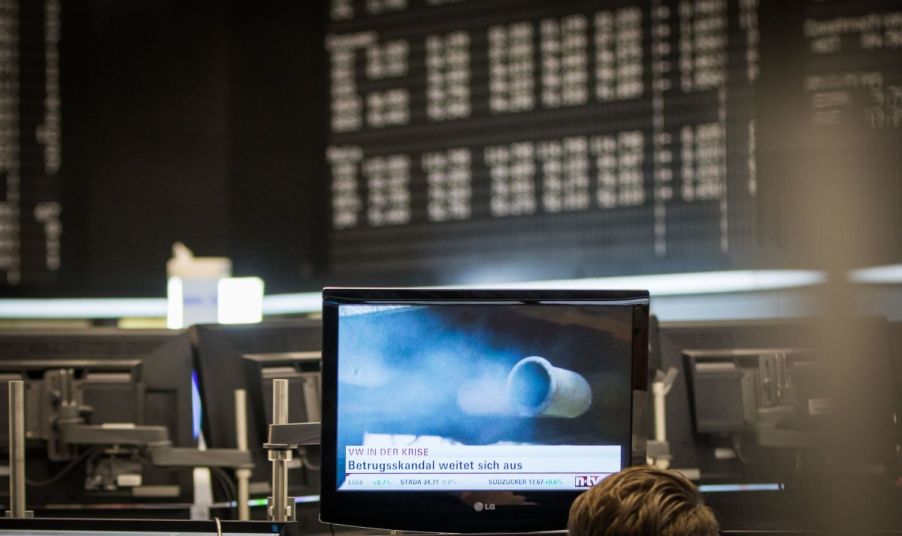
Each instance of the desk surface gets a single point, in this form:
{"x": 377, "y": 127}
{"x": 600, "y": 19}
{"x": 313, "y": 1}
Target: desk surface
{"x": 142, "y": 527}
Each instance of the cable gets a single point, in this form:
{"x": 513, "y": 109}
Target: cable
{"x": 233, "y": 488}
{"x": 230, "y": 488}
{"x": 64, "y": 471}
{"x": 221, "y": 486}
{"x": 305, "y": 461}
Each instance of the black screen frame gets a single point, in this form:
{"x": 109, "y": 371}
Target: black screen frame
{"x": 392, "y": 509}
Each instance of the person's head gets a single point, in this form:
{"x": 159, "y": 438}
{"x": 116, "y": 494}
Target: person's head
{"x": 642, "y": 500}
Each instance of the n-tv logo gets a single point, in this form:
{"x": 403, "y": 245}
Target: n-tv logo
{"x": 586, "y": 481}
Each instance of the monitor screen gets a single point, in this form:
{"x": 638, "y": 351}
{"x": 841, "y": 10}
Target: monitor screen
{"x": 469, "y": 411}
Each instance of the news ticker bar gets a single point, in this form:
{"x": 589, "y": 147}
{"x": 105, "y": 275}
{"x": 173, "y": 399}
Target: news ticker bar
{"x": 463, "y": 482}
{"x": 464, "y": 467}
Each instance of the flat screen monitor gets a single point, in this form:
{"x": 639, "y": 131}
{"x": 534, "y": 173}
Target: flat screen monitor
{"x": 119, "y": 378}
{"x": 750, "y": 395}
{"x": 697, "y": 455}
{"x": 301, "y": 369}
{"x": 477, "y": 410}
{"x": 249, "y": 357}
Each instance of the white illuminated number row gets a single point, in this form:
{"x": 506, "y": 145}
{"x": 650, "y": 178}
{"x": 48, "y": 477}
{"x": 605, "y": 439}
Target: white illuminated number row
{"x": 387, "y": 60}
{"x": 511, "y": 68}
{"x": 618, "y": 54}
{"x": 346, "y": 104}
{"x": 377, "y": 7}
{"x": 563, "y": 70}
{"x": 564, "y": 170}
{"x": 564, "y": 61}
{"x": 389, "y": 107}
{"x": 748, "y": 21}
{"x": 342, "y": 10}
{"x": 387, "y": 179}
{"x": 702, "y": 44}
{"x": 10, "y": 163}
{"x": 380, "y": 108}
{"x": 47, "y": 213}
{"x": 619, "y": 159}
{"x": 448, "y": 76}
{"x": 346, "y": 200}
{"x": 565, "y": 174}
{"x": 512, "y": 170}
{"x": 703, "y": 155}
{"x": 388, "y": 190}
{"x": 449, "y": 175}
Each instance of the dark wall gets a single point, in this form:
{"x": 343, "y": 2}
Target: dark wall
{"x": 145, "y": 96}
{"x": 189, "y": 122}
{"x": 278, "y": 187}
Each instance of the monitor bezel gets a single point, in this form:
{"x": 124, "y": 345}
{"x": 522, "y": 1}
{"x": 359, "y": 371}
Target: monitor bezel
{"x": 384, "y": 509}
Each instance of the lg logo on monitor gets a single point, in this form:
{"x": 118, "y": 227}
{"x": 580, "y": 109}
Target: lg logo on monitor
{"x": 479, "y": 507}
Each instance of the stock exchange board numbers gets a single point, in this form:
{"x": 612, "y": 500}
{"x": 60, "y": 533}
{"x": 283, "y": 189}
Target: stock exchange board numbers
{"x": 30, "y": 147}
{"x": 855, "y": 58}
{"x": 854, "y": 74}
{"x": 852, "y": 84}
{"x": 542, "y": 138}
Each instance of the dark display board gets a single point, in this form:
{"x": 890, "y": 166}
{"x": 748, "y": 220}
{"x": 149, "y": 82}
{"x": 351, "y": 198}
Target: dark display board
{"x": 119, "y": 133}
{"x": 30, "y": 142}
{"x": 501, "y": 139}
{"x": 405, "y": 142}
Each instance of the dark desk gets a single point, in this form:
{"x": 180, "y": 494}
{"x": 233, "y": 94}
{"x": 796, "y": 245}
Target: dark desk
{"x": 807, "y": 510}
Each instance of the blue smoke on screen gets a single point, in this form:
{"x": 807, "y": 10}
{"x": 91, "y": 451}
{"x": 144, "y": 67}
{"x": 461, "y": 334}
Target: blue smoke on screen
{"x": 415, "y": 366}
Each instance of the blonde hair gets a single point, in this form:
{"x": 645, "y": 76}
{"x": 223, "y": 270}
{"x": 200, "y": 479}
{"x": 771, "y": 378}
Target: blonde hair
{"x": 639, "y": 501}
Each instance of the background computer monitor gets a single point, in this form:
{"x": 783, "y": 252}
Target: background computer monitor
{"x": 477, "y": 411}
{"x": 140, "y": 377}
{"x": 301, "y": 369}
{"x": 234, "y": 357}
{"x": 703, "y": 438}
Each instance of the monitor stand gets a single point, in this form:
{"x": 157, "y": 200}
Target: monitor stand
{"x": 284, "y": 437}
